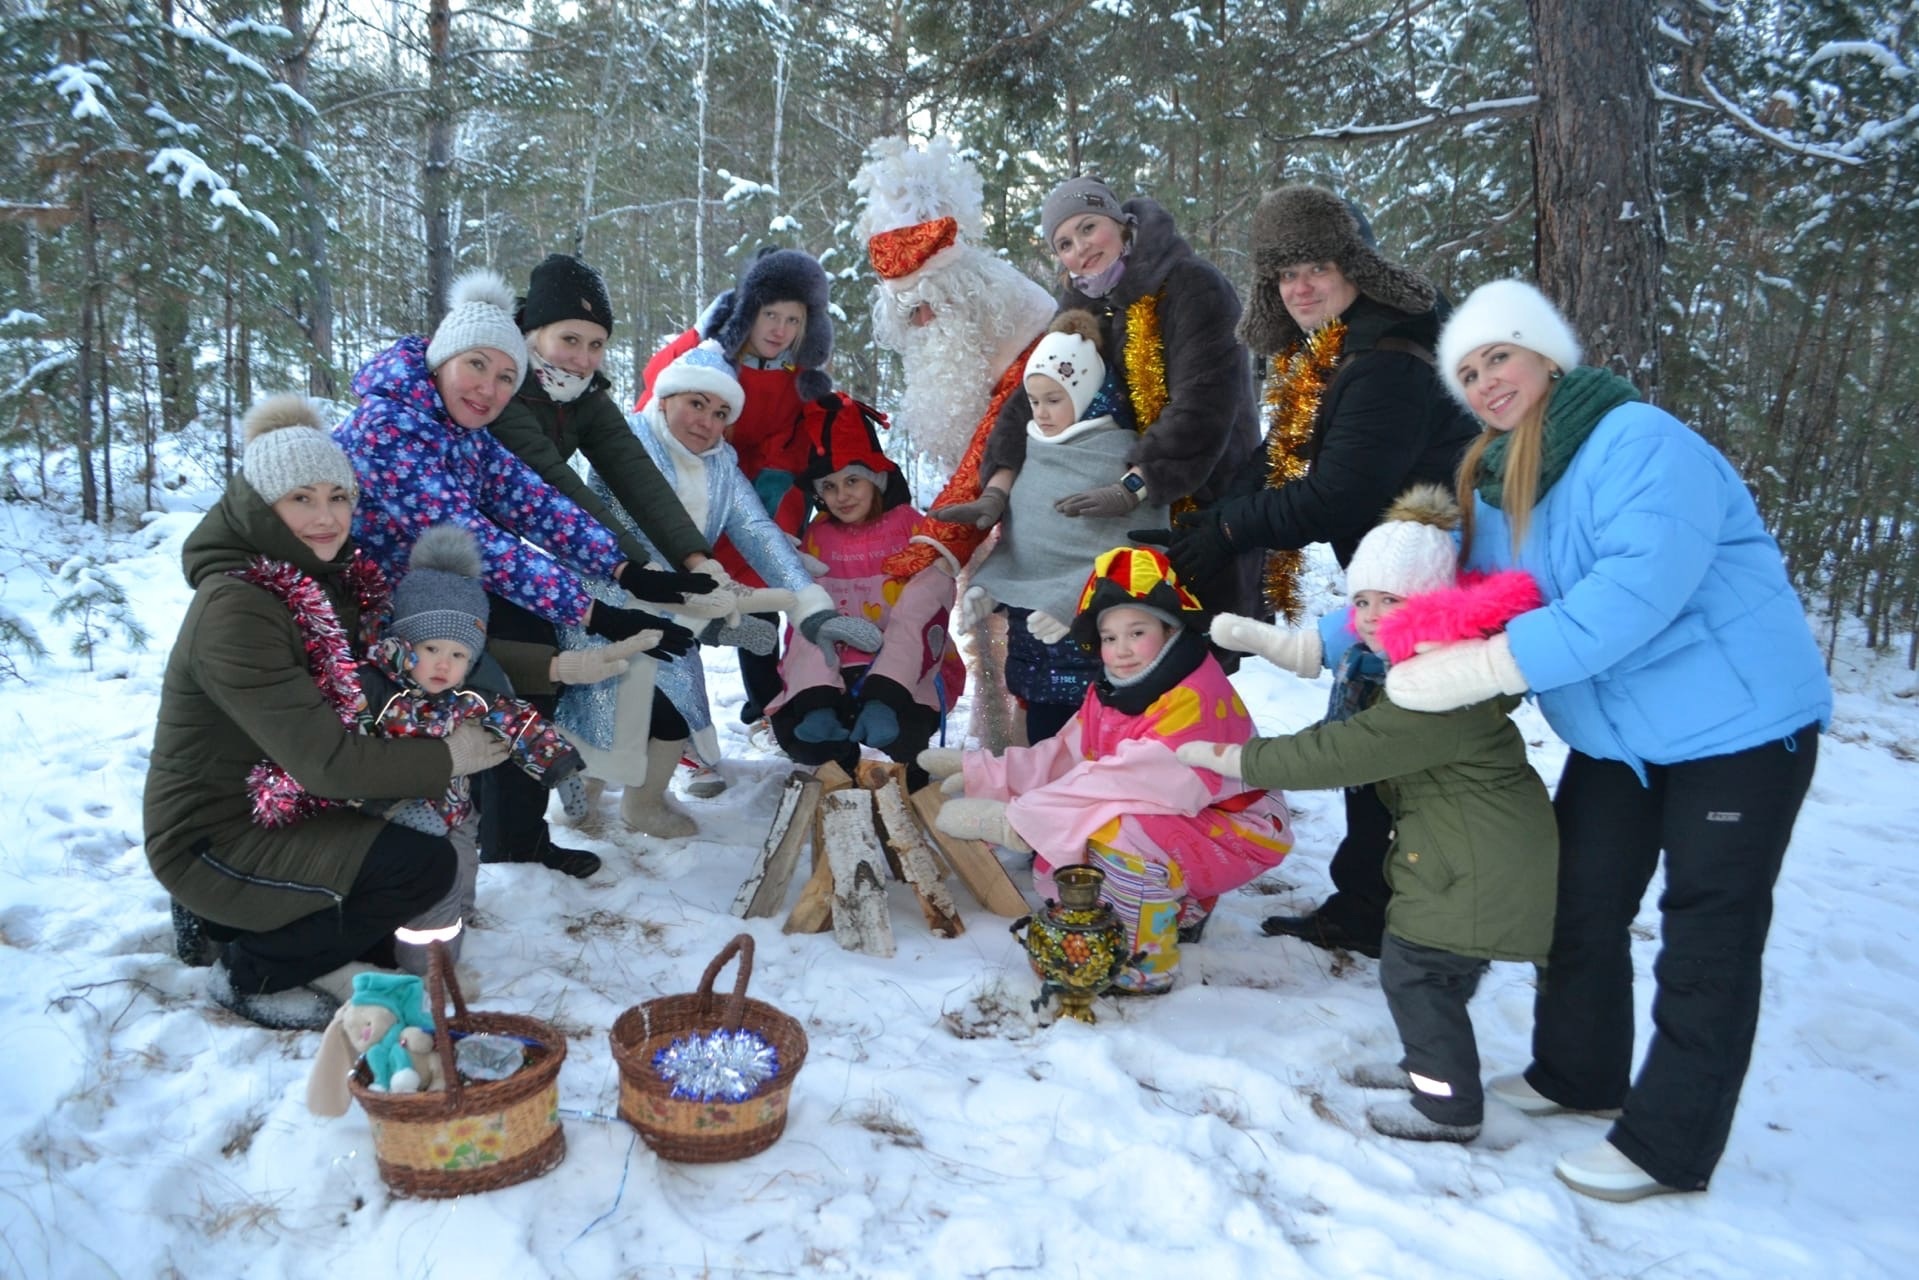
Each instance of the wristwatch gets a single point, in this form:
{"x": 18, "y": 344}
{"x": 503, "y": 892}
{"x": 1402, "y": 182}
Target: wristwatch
{"x": 1133, "y": 482}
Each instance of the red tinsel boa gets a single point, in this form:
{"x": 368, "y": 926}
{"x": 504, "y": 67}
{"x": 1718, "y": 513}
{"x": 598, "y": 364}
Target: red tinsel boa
{"x": 278, "y": 800}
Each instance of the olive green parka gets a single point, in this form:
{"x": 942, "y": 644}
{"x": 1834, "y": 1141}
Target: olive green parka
{"x": 1474, "y": 861}
{"x": 237, "y": 691}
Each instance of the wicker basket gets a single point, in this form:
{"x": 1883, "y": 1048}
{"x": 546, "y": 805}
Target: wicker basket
{"x": 685, "y": 1129}
{"x": 469, "y": 1137}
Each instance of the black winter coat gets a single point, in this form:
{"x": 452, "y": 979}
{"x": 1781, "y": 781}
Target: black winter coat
{"x": 1385, "y": 424}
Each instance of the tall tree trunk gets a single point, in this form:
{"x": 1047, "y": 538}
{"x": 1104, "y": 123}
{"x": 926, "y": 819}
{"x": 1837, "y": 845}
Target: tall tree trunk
{"x": 700, "y": 96}
{"x": 1600, "y": 247}
{"x": 436, "y": 182}
{"x": 313, "y": 305}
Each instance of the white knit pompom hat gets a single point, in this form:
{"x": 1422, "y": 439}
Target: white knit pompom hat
{"x": 479, "y": 313}
{"x": 1411, "y": 551}
{"x": 288, "y": 448}
{"x": 1505, "y": 311}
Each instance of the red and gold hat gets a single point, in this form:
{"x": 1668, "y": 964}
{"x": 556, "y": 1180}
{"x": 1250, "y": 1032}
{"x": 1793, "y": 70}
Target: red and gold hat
{"x": 1137, "y": 576}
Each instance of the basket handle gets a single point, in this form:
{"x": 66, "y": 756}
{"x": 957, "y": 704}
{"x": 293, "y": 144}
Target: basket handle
{"x": 442, "y": 982}
{"x": 741, "y": 946}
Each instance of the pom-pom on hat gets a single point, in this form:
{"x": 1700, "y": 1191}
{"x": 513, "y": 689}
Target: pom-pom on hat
{"x": 564, "y": 288}
{"x": 1069, "y": 355}
{"x": 1076, "y": 196}
{"x": 779, "y": 275}
{"x": 1142, "y": 578}
{"x": 287, "y": 448}
{"x": 702, "y": 368}
{"x": 479, "y": 313}
{"x": 1310, "y": 224}
{"x": 1411, "y": 550}
{"x": 441, "y": 598}
{"x": 1505, "y": 311}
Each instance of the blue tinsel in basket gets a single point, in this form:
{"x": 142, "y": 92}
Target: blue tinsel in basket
{"x": 721, "y": 1066}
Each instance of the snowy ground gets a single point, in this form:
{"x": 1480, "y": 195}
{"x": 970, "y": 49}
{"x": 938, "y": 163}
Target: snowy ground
{"x": 937, "y": 1129}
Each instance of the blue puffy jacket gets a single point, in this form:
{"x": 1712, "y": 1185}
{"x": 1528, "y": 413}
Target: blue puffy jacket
{"x": 1670, "y": 631}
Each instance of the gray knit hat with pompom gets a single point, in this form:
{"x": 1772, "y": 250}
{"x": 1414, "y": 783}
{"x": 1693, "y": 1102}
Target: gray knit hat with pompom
{"x": 479, "y": 313}
{"x": 441, "y": 597}
{"x": 288, "y": 448}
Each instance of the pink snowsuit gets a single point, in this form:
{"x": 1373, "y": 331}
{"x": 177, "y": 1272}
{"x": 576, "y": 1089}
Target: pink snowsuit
{"x": 1113, "y": 778}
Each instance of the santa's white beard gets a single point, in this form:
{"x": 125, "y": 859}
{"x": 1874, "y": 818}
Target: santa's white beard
{"x": 949, "y": 384}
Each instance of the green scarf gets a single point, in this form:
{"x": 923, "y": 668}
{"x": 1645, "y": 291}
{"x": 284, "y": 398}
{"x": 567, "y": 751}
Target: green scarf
{"x": 1579, "y": 401}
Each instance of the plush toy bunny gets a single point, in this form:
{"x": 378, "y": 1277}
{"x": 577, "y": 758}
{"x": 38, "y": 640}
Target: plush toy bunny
{"x": 385, "y": 1023}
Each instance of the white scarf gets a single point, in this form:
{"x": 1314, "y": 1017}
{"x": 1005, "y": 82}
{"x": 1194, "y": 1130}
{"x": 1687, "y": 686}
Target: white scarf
{"x": 561, "y": 387}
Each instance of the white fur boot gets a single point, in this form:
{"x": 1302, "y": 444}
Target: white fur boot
{"x": 646, "y": 808}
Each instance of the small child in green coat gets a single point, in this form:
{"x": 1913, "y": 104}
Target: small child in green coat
{"x": 1474, "y": 859}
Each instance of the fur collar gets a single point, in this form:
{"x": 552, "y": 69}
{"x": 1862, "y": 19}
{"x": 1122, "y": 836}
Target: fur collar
{"x": 1480, "y": 605}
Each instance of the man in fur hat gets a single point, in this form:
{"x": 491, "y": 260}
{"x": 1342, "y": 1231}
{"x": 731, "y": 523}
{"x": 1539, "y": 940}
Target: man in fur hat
{"x": 1356, "y": 414}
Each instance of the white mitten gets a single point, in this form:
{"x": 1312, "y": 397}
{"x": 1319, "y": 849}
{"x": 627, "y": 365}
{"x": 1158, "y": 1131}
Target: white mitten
{"x": 954, "y": 787}
{"x": 1220, "y": 757}
{"x": 717, "y": 603}
{"x": 941, "y": 762}
{"x": 765, "y": 600}
{"x": 975, "y": 607}
{"x": 1299, "y": 652}
{"x": 1455, "y": 675}
{"x": 980, "y": 820}
{"x": 1046, "y": 628}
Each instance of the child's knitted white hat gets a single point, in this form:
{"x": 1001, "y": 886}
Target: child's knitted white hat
{"x": 1411, "y": 550}
{"x": 1069, "y": 355}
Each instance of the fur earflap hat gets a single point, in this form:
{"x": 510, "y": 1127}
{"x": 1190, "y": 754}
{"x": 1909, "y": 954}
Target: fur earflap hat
{"x": 1505, "y": 311}
{"x": 1411, "y": 550}
{"x": 702, "y": 368}
{"x": 564, "y": 288}
{"x": 1311, "y": 224}
{"x": 479, "y": 313}
{"x": 845, "y": 436}
{"x": 288, "y": 448}
{"x": 1069, "y": 355}
{"x": 1140, "y": 577}
{"x": 779, "y": 275}
{"x": 441, "y": 598}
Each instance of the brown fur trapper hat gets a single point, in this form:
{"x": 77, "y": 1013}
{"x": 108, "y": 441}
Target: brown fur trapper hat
{"x": 1311, "y": 224}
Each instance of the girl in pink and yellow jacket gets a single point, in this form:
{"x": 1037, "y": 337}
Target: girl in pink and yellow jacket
{"x": 1108, "y": 790}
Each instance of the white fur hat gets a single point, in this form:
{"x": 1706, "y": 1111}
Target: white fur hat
{"x": 479, "y": 313}
{"x": 1505, "y": 311}
{"x": 1071, "y": 358}
{"x": 1411, "y": 551}
{"x": 703, "y": 368}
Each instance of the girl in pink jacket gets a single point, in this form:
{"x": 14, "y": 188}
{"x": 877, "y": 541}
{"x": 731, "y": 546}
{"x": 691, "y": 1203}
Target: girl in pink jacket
{"x": 895, "y": 702}
{"x": 1108, "y": 790}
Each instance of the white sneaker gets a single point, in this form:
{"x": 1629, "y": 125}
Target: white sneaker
{"x": 1515, "y": 1092}
{"x": 703, "y": 781}
{"x": 1605, "y": 1173}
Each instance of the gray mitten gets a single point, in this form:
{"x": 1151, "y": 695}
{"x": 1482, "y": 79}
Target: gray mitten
{"x": 982, "y": 512}
{"x": 826, "y": 629}
{"x": 755, "y": 635}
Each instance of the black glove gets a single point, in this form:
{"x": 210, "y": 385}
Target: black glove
{"x": 658, "y": 587}
{"x": 620, "y": 624}
{"x": 1197, "y": 544}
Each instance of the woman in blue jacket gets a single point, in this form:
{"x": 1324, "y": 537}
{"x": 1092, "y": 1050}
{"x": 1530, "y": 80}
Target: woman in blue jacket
{"x": 1675, "y": 660}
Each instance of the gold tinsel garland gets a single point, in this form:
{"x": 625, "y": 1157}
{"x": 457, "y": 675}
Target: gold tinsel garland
{"x": 1145, "y": 360}
{"x": 1300, "y": 376}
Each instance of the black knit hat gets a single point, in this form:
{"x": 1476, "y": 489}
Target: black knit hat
{"x": 564, "y": 288}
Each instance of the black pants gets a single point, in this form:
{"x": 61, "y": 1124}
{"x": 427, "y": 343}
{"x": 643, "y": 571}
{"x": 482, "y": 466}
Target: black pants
{"x": 1045, "y": 719}
{"x": 404, "y": 874}
{"x": 1427, "y": 990}
{"x": 918, "y": 723}
{"x": 760, "y": 674}
{"x": 512, "y": 805}
{"x": 1724, "y": 822}
{"x": 1358, "y": 901}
